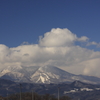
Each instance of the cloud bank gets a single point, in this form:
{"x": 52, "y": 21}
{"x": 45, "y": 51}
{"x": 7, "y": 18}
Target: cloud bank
{"x": 58, "y": 48}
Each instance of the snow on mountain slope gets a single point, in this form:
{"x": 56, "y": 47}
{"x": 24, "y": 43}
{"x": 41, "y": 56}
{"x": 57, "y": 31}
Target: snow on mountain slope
{"x": 17, "y": 73}
{"x": 14, "y": 74}
{"x": 50, "y": 74}
{"x": 45, "y": 74}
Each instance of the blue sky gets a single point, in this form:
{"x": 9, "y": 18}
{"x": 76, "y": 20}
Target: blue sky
{"x": 25, "y": 20}
{"x": 61, "y": 33}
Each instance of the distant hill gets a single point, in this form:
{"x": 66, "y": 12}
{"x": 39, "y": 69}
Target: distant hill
{"x": 76, "y": 90}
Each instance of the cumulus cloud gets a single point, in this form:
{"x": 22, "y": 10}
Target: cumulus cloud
{"x": 58, "y": 37}
{"x": 56, "y": 48}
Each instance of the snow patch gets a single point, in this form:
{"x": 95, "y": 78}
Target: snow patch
{"x": 43, "y": 79}
{"x": 86, "y": 89}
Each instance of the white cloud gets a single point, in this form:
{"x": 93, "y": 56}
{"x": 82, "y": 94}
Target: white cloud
{"x": 58, "y": 37}
{"x": 93, "y": 43}
{"x": 56, "y": 48}
{"x": 83, "y": 39}
{"x": 87, "y": 67}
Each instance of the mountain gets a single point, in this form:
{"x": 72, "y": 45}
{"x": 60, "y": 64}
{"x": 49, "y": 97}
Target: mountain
{"x": 18, "y": 73}
{"x": 45, "y": 74}
{"x": 50, "y": 74}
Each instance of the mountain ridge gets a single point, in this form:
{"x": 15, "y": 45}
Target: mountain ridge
{"x": 44, "y": 75}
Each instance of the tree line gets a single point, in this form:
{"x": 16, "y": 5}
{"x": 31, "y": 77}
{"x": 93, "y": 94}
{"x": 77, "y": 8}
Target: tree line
{"x": 33, "y": 96}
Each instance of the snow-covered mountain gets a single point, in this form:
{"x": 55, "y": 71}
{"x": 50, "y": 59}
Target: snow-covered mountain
{"x": 50, "y": 74}
{"x": 45, "y": 74}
